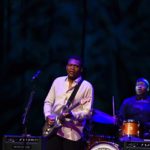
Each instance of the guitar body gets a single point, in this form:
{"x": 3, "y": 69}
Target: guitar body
{"x": 49, "y": 130}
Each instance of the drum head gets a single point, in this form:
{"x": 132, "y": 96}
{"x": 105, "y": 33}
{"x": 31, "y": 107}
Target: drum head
{"x": 105, "y": 145}
{"x": 130, "y": 128}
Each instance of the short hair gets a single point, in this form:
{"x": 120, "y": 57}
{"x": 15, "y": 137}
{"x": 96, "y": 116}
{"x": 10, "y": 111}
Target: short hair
{"x": 76, "y": 58}
{"x": 143, "y": 80}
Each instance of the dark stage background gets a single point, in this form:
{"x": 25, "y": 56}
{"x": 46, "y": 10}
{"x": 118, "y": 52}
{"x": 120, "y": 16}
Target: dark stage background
{"x": 112, "y": 37}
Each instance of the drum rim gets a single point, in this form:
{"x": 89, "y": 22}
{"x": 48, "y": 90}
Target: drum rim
{"x": 112, "y": 144}
{"x": 131, "y": 121}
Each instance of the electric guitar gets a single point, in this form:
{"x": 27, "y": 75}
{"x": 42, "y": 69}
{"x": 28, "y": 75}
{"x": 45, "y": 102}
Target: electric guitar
{"x": 49, "y": 130}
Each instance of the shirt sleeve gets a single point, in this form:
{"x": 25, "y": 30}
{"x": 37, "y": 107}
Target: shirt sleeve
{"x": 49, "y": 101}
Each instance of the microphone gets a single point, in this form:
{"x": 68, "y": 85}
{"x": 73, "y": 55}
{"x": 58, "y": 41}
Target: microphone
{"x": 37, "y": 73}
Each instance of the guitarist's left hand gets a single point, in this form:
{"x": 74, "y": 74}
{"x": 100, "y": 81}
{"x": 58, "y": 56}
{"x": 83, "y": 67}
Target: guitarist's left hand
{"x": 84, "y": 100}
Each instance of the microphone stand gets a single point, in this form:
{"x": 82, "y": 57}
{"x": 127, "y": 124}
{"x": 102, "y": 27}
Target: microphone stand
{"x": 24, "y": 120}
{"x": 25, "y": 117}
{"x": 27, "y": 108}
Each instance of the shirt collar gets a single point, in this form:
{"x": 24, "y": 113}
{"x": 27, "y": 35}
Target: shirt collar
{"x": 141, "y": 97}
{"x": 76, "y": 80}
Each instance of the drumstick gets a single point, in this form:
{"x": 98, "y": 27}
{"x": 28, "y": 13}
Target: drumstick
{"x": 113, "y": 105}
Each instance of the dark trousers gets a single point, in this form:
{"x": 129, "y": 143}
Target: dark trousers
{"x": 58, "y": 143}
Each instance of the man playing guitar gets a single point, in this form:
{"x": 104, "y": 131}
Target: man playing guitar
{"x": 70, "y": 123}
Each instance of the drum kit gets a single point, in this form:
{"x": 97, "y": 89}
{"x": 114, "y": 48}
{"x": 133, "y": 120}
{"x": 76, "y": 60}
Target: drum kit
{"x": 128, "y": 132}
{"x": 101, "y": 142}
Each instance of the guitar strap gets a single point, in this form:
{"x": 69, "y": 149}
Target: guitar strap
{"x": 73, "y": 94}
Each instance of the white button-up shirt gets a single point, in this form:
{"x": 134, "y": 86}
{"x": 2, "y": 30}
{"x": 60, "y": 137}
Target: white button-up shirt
{"x": 57, "y": 98}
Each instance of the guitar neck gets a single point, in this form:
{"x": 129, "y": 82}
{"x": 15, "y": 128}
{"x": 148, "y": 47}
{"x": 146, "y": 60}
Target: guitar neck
{"x": 73, "y": 106}
{"x": 67, "y": 110}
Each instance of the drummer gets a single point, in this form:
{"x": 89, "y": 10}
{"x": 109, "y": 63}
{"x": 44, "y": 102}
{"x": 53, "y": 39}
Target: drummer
{"x": 137, "y": 108}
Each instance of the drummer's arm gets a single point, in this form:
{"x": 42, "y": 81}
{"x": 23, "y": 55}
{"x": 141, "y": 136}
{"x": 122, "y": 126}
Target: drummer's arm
{"x": 118, "y": 120}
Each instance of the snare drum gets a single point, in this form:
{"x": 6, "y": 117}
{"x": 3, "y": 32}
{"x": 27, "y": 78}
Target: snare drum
{"x": 105, "y": 146}
{"x": 95, "y": 139}
{"x": 130, "y": 128}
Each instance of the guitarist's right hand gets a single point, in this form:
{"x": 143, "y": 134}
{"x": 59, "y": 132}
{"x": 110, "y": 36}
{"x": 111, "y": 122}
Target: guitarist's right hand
{"x": 51, "y": 119}
{"x": 67, "y": 114}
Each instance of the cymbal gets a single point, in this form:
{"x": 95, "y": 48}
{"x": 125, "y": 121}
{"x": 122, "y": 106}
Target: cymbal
{"x": 102, "y": 117}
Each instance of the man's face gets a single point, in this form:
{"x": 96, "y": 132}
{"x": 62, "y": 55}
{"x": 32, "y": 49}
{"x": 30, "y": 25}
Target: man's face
{"x": 140, "y": 88}
{"x": 73, "y": 69}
